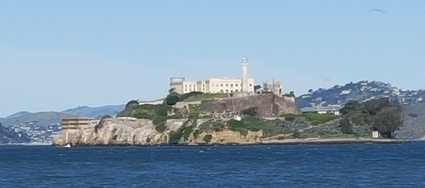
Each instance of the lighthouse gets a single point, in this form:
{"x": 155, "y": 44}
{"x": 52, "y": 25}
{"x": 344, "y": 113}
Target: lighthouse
{"x": 245, "y": 75}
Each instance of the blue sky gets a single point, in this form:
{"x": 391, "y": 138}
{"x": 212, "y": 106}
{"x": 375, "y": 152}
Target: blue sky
{"x": 56, "y": 55}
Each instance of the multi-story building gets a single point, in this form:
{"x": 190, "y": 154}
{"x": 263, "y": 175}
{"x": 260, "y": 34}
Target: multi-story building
{"x": 215, "y": 85}
{"x": 78, "y": 123}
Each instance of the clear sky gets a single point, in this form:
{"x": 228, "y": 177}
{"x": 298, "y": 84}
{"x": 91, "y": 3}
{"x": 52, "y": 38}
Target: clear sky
{"x": 56, "y": 55}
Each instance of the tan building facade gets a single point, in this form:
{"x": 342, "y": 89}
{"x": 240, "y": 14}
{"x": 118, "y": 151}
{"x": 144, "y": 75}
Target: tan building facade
{"x": 78, "y": 123}
{"x": 213, "y": 85}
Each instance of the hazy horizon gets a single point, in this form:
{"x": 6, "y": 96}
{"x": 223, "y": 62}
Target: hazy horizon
{"x": 56, "y": 55}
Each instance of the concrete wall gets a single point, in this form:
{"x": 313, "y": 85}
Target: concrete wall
{"x": 213, "y": 85}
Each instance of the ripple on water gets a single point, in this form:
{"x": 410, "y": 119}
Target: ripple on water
{"x": 350, "y": 165}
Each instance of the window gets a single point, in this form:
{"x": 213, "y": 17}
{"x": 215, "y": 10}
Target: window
{"x": 250, "y": 85}
{"x": 221, "y": 85}
{"x": 231, "y": 85}
{"x": 227, "y": 91}
{"x": 236, "y": 85}
{"x": 227, "y": 85}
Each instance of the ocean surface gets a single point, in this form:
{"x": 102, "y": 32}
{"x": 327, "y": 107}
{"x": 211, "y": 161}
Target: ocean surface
{"x": 339, "y": 165}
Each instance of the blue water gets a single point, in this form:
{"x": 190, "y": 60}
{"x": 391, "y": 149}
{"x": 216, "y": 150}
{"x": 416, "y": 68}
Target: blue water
{"x": 344, "y": 165}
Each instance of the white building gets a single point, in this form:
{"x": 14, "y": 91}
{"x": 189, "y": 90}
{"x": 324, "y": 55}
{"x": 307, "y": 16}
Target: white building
{"x": 215, "y": 85}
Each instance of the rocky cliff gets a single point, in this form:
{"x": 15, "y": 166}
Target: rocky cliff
{"x": 129, "y": 131}
{"x": 268, "y": 105}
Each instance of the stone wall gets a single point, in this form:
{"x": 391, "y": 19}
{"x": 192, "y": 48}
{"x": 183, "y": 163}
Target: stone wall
{"x": 268, "y": 105}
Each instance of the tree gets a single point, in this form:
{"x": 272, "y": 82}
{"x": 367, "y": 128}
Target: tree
{"x": 346, "y": 126}
{"x": 376, "y": 105}
{"x": 257, "y": 87}
{"x": 351, "y": 106}
{"x": 171, "y": 100}
{"x": 131, "y": 104}
{"x": 387, "y": 121}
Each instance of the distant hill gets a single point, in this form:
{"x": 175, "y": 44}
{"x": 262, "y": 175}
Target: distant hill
{"x": 47, "y": 118}
{"x": 17, "y": 114}
{"x": 94, "y": 112}
{"x": 360, "y": 91}
{"x": 39, "y": 118}
{"x": 413, "y": 122}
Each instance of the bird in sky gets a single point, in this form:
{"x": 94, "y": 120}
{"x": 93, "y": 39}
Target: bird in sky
{"x": 325, "y": 79}
{"x": 378, "y": 10}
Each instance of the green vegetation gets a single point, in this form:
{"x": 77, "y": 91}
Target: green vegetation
{"x": 160, "y": 127}
{"x": 173, "y": 97}
{"x": 101, "y": 122}
{"x": 184, "y": 131}
{"x": 378, "y": 115}
{"x": 194, "y": 111}
{"x": 214, "y": 125}
{"x": 317, "y": 119}
{"x": 358, "y": 119}
{"x": 196, "y": 133}
{"x": 251, "y": 111}
{"x": 207, "y": 138}
{"x": 201, "y": 96}
{"x": 290, "y": 94}
{"x": 175, "y": 137}
{"x": 269, "y": 127}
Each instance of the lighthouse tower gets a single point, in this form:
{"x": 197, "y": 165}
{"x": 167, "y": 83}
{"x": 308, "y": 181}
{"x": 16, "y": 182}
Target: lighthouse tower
{"x": 245, "y": 75}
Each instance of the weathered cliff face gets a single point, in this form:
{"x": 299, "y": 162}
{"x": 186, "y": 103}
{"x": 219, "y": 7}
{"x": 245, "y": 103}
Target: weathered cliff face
{"x": 268, "y": 105}
{"x": 121, "y": 131}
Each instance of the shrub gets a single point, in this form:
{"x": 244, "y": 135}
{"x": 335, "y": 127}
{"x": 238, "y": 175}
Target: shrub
{"x": 171, "y": 99}
{"x": 186, "y": 132}
{"x": 159, "y": 119}
{"x": 196, "y": 133}
{"x": 161, "y": 110}
{"x": 251, "y": 111}
{"x": 317, "y": 119}
{"x": 290, "y": 117}
{"x": 131, "y": 104}
{"x": 207, "y": 138}
{"x": 101, "y": 122}
{"x": 296, "y": 134}
{"x": 175, "y": 137}
{"x": 235, "y": 125}
{"x": 161, "y": 127}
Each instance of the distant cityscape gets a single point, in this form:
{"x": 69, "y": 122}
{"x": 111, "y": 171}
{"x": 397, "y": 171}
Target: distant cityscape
{"x": 39, "y": 134}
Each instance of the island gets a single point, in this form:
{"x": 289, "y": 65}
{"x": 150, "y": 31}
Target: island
{"x": 196, "y": 118}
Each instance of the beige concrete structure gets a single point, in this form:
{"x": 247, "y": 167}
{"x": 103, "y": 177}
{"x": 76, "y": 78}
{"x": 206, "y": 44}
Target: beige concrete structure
{"x": 78, "y": 123}
{"x": 212, "y": 85}
{"x": 274, "y": 87}
{"x": 215, "y": 85}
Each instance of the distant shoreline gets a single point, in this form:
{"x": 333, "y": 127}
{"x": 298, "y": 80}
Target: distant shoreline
{"x": 336, "y": 141}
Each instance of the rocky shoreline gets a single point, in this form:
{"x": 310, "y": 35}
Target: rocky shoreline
{"x": 142, "y": 132}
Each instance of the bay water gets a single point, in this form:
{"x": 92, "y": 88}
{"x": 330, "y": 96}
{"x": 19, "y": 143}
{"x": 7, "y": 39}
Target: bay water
{"x": 312, "y": 165}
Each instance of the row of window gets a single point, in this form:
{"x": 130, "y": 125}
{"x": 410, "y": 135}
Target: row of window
{"x": 186, "y": 88}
